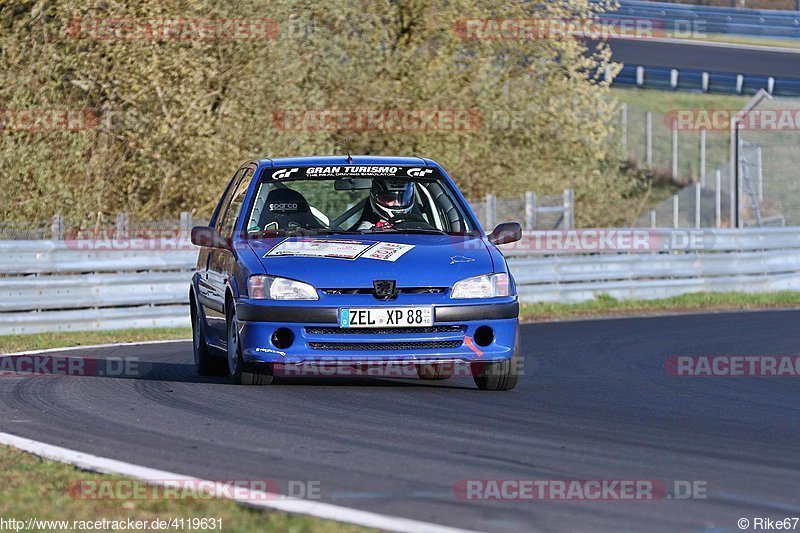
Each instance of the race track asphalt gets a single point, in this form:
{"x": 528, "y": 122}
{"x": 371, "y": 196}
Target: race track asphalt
{"x": 596, "y": 403}
{"x": 711, "y": 58}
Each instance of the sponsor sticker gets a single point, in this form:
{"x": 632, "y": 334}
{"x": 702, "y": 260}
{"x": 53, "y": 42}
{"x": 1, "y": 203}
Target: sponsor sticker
{"x": 387, "y": 251}
{"x": 331, "y": 248}
{"x": 339, "y": 249}
{"x": 355, "y": 171}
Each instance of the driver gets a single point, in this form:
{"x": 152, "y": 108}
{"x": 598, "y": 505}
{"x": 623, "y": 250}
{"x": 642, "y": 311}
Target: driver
{"x": 389, "y": 200}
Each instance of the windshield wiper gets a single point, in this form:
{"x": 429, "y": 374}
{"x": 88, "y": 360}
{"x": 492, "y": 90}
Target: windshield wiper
{"x": 300, "y": 231}
{"x": 432, "y": 231}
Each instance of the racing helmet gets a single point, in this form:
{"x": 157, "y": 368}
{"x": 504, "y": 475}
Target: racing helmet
{"x": 391, "y": 198}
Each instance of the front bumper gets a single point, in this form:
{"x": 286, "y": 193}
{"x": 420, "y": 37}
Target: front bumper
{"x": 318, "y": 338}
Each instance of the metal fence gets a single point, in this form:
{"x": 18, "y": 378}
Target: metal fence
{"x": 742, "y": 173}
{"x": 530, "y": 210}
{"x": 58, "y": 286}
{"x": 716, "y": 19}
{"x": 765, "y": 143}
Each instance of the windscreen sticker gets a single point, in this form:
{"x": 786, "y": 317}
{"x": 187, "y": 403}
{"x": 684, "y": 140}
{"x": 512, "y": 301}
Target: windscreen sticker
{"x": 331, "y": 248}
{"x": 355, "y": 171}
{"x": 339, "y": 249}
{"x": 387, "y": 251}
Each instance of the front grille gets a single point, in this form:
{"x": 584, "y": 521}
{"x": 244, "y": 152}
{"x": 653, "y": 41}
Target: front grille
{"x": 320, "y": 330}
{"x": 400, "y": 290}
{"x": 362, "y": 346}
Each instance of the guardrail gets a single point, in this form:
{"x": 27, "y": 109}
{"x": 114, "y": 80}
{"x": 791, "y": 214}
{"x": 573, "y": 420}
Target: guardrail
{"x": 703, "y": 81}
{"x": 57, "y": 286}
{"x": 711, "y": 19}
{"x": 743, "y": 260}
{"x": 73, "y": 286}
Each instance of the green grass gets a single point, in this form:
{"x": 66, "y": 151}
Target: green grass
{"x": 639, "y": 101}
{"x": 41, "y": 341}
{"x": 660, "y": 102}
{"x": 605, "y": 305}
{"x": 33, "y": 487}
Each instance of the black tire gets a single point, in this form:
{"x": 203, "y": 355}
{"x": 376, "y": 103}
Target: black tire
{"x": 435, "y": 371}
{"x": 242, "y": 373}
{"x": 205, "y": 364}
{"x": 499, "y": 376}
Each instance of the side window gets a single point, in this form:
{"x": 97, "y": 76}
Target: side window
{"x": 235, "y": 207}
{"x": 225, "y": 200}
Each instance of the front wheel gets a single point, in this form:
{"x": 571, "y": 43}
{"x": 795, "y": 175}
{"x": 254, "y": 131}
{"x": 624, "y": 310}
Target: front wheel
{"x": 205, "y": 363}
{"x": 237, "y": 368}
{"x": 501, "y": 375}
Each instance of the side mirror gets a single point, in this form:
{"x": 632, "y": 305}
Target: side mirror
{"x": 209, "y": 237}
{"x": 506, "y": 233}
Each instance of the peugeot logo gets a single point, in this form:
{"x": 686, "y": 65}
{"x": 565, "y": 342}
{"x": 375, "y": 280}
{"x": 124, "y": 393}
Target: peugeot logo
{"x": 384, "y": 289}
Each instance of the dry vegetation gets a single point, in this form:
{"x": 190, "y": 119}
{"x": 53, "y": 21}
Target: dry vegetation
{"x": 176, "y": 116}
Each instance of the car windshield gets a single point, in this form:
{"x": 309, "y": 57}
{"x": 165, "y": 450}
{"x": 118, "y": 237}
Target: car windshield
{"x": 356, "y": 199}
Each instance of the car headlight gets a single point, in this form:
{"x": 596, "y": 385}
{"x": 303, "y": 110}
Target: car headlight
{"x": 275, "y": 288}
{"x": 485, "y": 286}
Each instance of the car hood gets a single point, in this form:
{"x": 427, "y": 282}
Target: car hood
{"x": 410, "y": 260}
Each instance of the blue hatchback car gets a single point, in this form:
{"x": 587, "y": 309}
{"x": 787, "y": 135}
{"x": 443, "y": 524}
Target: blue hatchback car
{"x": 346, "y": 260}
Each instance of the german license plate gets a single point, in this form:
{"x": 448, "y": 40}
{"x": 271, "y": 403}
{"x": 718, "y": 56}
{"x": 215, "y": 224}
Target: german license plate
{"x": 385, "y": 317}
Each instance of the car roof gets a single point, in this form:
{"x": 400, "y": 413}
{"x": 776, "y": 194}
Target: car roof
{"x": 342, "y": 160}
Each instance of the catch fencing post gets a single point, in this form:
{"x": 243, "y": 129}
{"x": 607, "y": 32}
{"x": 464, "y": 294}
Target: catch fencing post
{"x": 675, "y": 150}
{"x": 698, "y": 188}
{"x": 653, "y": 218}
{"x": 675, "y": 210}
{"x": 760, "y": 174}
{"x": 185, "y": 224}
{"x": 649, "y": 137}
{"x": 121, "y": 226}
{"x": 491, "y": 211}
{"x": 530, "y": 210}
{"x": 718, "y": 194}
{"x": 57, "y": 228}
{"x": 569, "y": 209}
{"x": 703, "y": 140}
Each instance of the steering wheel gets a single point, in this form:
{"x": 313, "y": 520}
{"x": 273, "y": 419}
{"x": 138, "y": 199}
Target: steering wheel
{"x": 411, "y": 221}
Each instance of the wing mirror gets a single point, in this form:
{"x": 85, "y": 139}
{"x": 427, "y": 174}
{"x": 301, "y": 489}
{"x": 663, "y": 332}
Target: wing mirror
{"x": 505, "y": 233}
{"x": 209, "y": 237}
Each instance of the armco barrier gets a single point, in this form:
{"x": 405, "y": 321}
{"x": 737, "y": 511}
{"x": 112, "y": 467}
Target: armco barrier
{"x": 711, "y": 19}
{"x": 53, "y": 286}
{"x": 744, "y": 260}
{"x": 78, "y": 286}
{"x": 693, "y": 81}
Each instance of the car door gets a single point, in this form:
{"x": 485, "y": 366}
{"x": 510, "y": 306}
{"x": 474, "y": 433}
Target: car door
{"x": 221, "y": 262}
